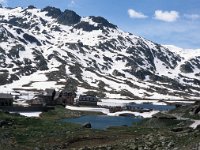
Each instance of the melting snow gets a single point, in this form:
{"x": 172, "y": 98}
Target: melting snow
{"x": 195, "y": 124}
{"x": 106, "y": 111}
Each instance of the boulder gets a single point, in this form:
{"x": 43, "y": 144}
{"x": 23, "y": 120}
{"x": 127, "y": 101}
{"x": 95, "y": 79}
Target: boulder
{"x": 5, "y": 123}
{"x": 163, "y": 116}
{"x": 87, "y": 125}
{"x": 179, "y": 129}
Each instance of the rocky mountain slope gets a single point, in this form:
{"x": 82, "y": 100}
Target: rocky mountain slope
{"x": 49, "y": 48}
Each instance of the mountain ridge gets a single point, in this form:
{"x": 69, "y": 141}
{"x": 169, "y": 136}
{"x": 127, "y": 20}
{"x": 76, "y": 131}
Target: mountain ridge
{"x": 42, "y": 48}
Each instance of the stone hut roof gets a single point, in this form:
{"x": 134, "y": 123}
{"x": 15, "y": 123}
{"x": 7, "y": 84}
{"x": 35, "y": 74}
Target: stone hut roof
{"x": 5, "y": 96}
{"x": 49, "y": 92}
{"x": 91, "y": 98}
{"x": 68, "y": 93}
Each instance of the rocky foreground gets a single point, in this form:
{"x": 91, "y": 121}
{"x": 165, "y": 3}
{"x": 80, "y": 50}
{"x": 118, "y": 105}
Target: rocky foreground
{"x": 168, "y": 130}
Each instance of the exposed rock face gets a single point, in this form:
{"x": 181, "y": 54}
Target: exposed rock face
{"x": 85, "y": 26}
{"x": 69, "y": 18}
{"x": 117, "y": 73}
{"x": 31, "y": 39}
{"x": 52, "y": 11}
{"x": 53, "y": 46}
{"x": 103, "y": 22}
{"x": 195, "y": 110}
{"x": 186, "y": 68}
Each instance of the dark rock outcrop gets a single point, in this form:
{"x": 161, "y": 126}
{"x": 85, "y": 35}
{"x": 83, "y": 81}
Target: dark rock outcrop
{"x": 117, "y": 73}
{"x": 4, "y": 123}
{"x": 103, "y": 22}
{"x": 69, "y": 17}
{"x": 31, "y": 39}
{"x": 163, "y": 116}
{"x": 87, "y": 125}
{"x": 31, "y": 7}
{"x": 186, "y": 68}
{"x": 85, "y": 26}
{"x": 52, "y": 11}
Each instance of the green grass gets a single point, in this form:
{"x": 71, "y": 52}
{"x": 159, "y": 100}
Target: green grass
{"x": 48, "y": 132}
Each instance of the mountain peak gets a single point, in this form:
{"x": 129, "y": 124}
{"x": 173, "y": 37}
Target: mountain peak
{"x": 103, "y": 22}
{"x": 31, "y": 7}
{"x": 52, "y": 11}
{"x": 69, "y": 17}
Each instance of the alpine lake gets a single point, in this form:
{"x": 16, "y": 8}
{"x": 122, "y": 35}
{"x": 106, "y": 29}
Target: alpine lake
{"x": 102, "y": 122}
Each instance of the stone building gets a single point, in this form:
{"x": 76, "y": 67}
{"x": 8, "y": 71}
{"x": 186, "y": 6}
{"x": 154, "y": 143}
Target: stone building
{"x": 88, "y": 100}
{"x": 48, "y": 97}
{"x": 51, "y": 98}
{"x": 67, "y": 97}
{"x": 6, "y": 99}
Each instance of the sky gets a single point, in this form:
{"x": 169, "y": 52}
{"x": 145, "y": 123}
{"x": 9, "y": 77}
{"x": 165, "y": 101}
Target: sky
{"x": 172, "y": 22}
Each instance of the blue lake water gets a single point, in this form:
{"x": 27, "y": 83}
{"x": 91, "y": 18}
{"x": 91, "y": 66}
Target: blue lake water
{"x": 153, "y": 107}
{"x": 103, "y": 121}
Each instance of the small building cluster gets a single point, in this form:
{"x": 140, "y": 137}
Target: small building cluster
{"x": 47, "y": 100}
{"x": 51, "y": 98}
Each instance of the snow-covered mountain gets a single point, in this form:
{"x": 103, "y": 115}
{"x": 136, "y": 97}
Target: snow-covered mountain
{"x": 49, "y": 48}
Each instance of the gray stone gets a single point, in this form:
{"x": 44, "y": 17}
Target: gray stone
{"x": 87, "y": 125}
